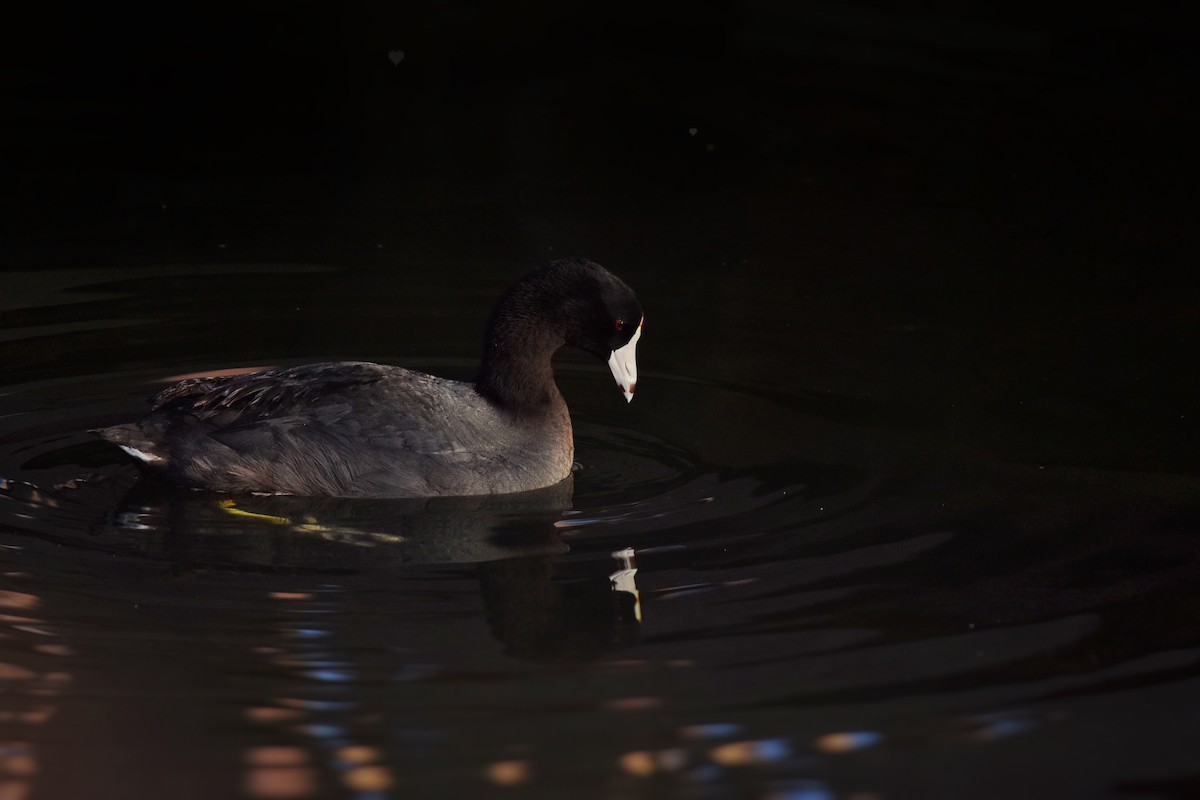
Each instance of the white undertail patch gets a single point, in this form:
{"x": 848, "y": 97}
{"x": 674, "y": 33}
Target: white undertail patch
{"x": 138, "y": 454}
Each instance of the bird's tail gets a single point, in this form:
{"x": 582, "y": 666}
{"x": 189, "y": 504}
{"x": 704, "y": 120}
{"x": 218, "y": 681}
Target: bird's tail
{"x": 133, "y": 440}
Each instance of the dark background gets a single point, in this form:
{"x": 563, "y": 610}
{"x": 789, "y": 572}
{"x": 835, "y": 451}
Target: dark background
{"x": 1001, "y": 196}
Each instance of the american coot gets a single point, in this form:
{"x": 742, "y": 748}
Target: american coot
{"x": 360, "y": 429}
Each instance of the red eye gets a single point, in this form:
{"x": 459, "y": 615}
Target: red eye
{"x": 619, "y": 324}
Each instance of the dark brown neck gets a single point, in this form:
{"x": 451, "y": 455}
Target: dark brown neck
{"x": 516, "y": 371}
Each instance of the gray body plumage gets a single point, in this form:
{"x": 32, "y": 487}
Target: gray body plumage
{"x": 347, "y": 429}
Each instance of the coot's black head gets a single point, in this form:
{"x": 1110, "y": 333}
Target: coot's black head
{"x": 584, "y": 304}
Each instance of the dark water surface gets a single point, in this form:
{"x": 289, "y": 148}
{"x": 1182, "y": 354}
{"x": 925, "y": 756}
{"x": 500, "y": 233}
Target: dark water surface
{"x": 757, "y": 588}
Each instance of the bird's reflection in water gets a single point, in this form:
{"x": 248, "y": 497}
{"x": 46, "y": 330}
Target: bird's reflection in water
{"x": 290, "y": 534}
{"x": 542, "y": 619}
{"x": 338, "y": 607}
{"x": 511, "y": 539}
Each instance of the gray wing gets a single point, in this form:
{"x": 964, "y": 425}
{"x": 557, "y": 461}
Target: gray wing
{"x": 261, "y": 395}
{"x": 342, "y": 429}
{"x": 367, "y": 404}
